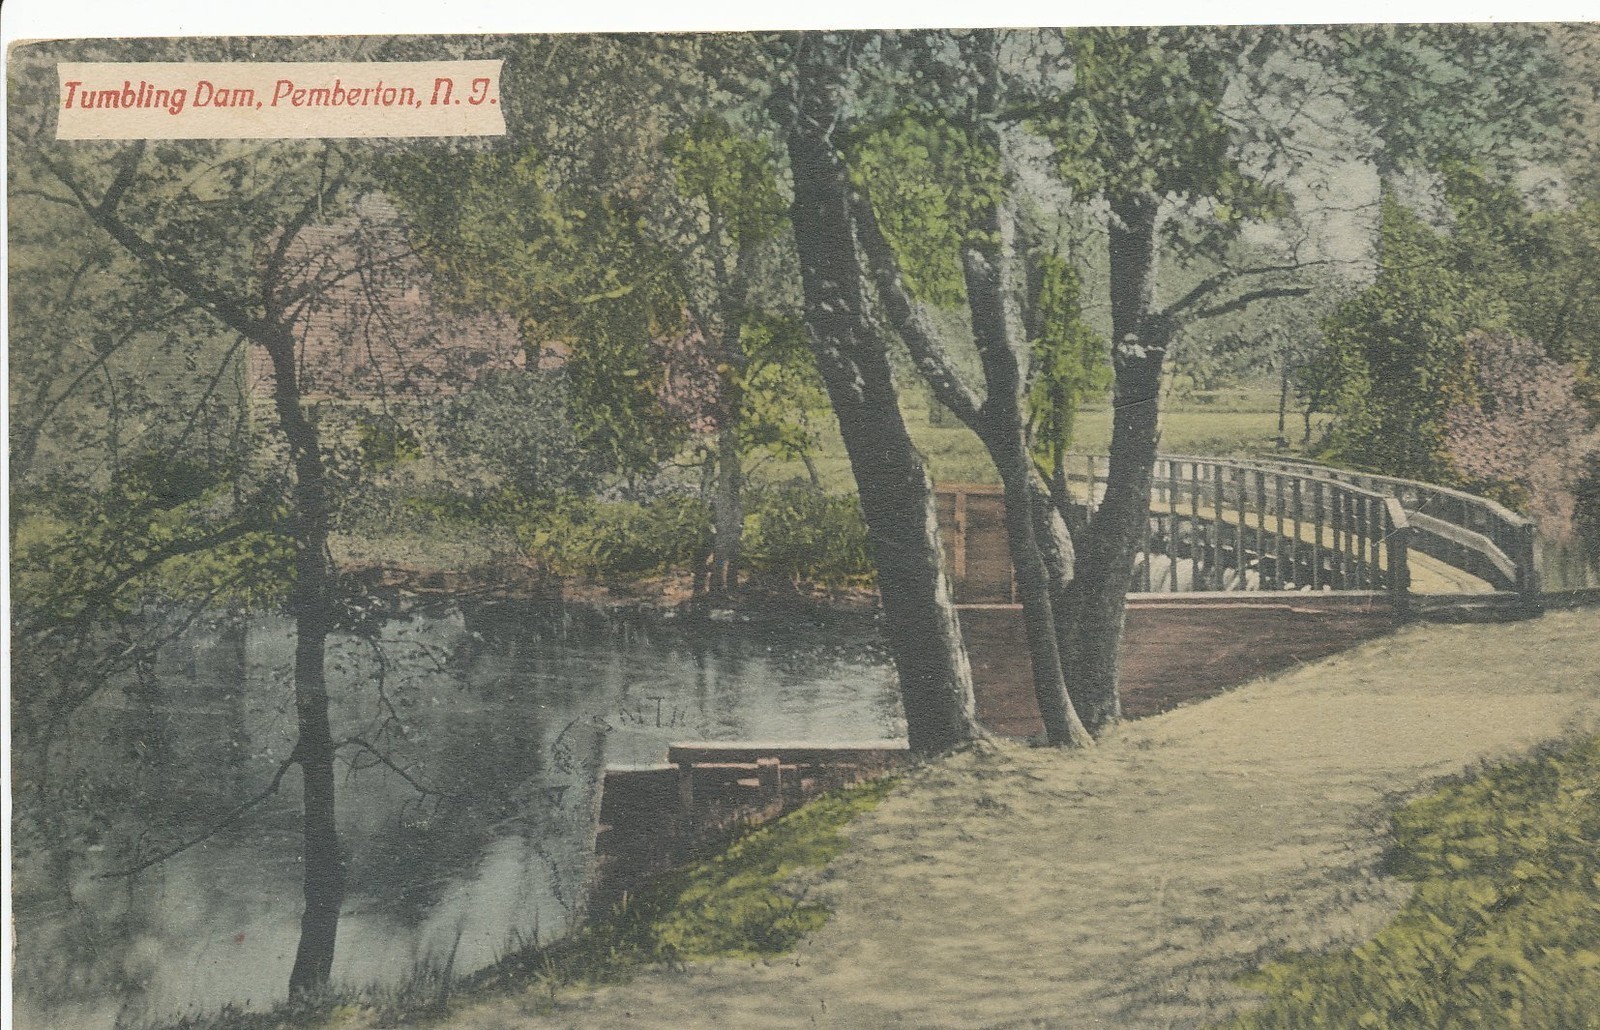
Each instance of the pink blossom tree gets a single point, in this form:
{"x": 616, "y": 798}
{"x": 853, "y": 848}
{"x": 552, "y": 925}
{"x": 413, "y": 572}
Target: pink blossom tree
{"x": 1523, "y": 436}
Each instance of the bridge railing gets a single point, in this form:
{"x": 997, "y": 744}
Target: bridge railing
{"x": 1469, "y": 532}
{"x": 1225, "y": 525}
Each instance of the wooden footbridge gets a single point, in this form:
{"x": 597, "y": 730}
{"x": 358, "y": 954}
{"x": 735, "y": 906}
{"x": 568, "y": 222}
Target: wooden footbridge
{"x": 1270, "y": 526}
{"x": 1247, "y": 567}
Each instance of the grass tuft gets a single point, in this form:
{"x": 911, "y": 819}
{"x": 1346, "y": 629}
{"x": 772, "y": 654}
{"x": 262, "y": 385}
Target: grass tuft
{"x": 1504, "y": 927}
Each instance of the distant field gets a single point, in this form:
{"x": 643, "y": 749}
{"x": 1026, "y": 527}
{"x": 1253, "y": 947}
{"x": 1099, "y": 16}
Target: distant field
{"x": 1218, "y": 423}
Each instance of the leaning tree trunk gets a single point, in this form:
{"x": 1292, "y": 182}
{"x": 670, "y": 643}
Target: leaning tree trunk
{"x": 920, "y": 624}
{"x": 1003, "y": 434}
{"x": 1097, "y": 595}
{"x": 311, "y": 602}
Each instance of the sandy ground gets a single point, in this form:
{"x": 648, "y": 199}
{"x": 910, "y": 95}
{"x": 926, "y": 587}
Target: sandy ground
{"x": 1128, "y": 887}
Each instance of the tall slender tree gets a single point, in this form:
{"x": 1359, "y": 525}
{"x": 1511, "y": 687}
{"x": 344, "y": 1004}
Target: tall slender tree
{"x": 921, "y": 629}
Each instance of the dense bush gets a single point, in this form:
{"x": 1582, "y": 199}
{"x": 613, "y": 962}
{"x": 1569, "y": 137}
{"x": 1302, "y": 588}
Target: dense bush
{"x": 1504, "y": 929}
{"x": 804, "y": 534}
{"x": 586, "y": 537}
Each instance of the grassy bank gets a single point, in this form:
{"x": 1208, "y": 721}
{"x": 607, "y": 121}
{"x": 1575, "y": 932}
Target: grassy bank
{"x": 1504, "y": 927}
{"x": 744, "y": 902}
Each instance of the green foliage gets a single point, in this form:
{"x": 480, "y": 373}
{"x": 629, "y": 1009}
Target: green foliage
{"x": 582, "y": 536}
{"x": 734, "y": 175}
{"x": 1396, "y": 360}
{"x": 929, "y": 180}
{"x": 1504, "y": 929}
{"x": 1434, "y": 93}
{"x": 383, "y": 443}
{"x": 1144, "y": 115}
{"x": 165, "y": 529}
{"x": 739, "y": 904}
{"x": 574, "y": 266}
{"x": 780, "y": 391}
{"x": 521, "y": 425}
{"x": 806, "y": 535}
{"x": 1069, "y": 361}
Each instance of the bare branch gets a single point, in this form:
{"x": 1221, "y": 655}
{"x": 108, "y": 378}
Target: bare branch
{"x": 216, "y": 828}
{"x": 387, "y": 762}
{"x": 229, "y": 309}
{"x": 1244, "y": 300}
{"x": 1212, "y": 283}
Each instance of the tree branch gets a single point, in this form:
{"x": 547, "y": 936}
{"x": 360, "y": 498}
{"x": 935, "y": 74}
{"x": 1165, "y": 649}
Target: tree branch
{"x": 385, "y": 760}
{"x": 1212, "y": 283}
{"x": 908, "y": 318}
{"x": 216, "y": 828}
{"x": 1246, "y": 299}
{"x": 225, "y": 307}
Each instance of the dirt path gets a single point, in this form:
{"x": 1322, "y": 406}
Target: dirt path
{"x": 1128, "y": 887}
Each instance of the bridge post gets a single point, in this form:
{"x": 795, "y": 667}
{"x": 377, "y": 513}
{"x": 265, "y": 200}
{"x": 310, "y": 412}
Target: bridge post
{"x": 1398, "y": 543}
{"x": 1527, "y": 561}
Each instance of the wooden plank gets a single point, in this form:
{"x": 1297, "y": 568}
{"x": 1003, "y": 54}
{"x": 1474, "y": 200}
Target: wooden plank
{"x": 1316, "y": 544}
{"x": 1336, "y": 545}
{"x": 961, "y": 536}
{"x": 1261, "y": 527}
{"x": 789, "y": 752}
{"x": 1239, "y": 550}
{"x": 1278, "y": 542}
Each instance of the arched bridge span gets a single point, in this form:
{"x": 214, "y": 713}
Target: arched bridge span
{"x": 1248, "y": 567}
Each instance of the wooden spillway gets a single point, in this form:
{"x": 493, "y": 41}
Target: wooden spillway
{"x": 655, "y": 817}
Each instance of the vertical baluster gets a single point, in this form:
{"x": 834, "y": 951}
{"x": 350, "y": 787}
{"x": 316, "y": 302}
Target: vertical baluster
{"x": 1336, "y": 524}
{"x": 1216, "y": 527}
{"x": 1383, "y": 547}
{"x": 1318, "y": 515}
{"x": 1298, "y": 511}
{"x": 1364, "y": 541}
{"x": 1194, "y": 524}
{"x": 1277, "y": 535}
{"x": 1239, "y": 528}
{"x": 1172, "y": 524}
{"x": 1151, "y": 533}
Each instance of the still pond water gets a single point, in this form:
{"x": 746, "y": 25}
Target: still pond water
{"x": 501, "y": 719}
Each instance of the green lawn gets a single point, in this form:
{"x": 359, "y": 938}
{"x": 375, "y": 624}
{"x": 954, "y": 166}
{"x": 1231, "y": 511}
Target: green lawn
{"x": 1222, "y": 423}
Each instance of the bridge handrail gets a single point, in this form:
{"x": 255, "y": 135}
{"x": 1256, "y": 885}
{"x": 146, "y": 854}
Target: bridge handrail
{"x": 1504, "y": 538}
{"x": 1370, "y": 532}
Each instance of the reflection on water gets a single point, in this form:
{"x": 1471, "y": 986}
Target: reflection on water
{"x": 479, "y": 835}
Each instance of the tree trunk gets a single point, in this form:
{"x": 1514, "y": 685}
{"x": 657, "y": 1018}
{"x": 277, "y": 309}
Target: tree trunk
{"x": 920, "y": 624}
{"x": 1061, "y": 722}
{"x": 1283, "y": 403}
{"x": 727, "y": 512}
{"x": 1097, "y": 596}
{"x": 1004, "y": 436}
{"x": 311, "y": 602}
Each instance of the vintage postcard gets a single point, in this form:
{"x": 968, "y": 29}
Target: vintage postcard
{"x": 1061, "y": 526}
